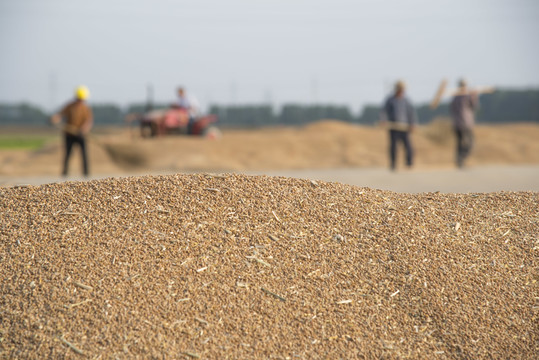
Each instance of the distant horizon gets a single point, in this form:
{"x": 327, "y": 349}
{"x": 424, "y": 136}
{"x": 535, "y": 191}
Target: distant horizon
{"x": 160, "y": 104}
{"x": 358, "y": 108}
{"x": 504, "y": 106}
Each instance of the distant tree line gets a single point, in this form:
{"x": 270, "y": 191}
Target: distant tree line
{"x": 425, "y": 114}
{"x": 499, "y": 107}
{"x": 503, "y": 106}
{"x": 27, "y": 114}
{"x": 291, "y": 114}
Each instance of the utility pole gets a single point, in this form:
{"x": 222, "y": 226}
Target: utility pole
{"x": 52, "y": 90}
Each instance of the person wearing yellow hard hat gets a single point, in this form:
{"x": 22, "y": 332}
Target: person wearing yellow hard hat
{"x": 78, "y": 121}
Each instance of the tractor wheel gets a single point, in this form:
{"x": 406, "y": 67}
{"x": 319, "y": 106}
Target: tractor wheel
{"x": 154, "y": 129}
{"x": 146, "y": 130}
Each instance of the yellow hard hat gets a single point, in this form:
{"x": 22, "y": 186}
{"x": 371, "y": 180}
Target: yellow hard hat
{"x": 82, "y": 92}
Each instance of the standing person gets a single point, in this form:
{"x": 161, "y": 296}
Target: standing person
{"x": 400, "y": 117}
{"x": 78, "y": 119}
{"x": 462, "y": 108}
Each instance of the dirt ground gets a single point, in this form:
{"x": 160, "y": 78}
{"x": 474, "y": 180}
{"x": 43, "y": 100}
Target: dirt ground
{"x": 322, "y": 145}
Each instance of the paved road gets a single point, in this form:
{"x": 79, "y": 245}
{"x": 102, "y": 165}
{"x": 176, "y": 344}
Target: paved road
{"x": 477, "y": 179}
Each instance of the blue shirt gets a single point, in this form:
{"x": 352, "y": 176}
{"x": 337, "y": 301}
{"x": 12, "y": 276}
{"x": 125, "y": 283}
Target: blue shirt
{"x": 399, "y": 110}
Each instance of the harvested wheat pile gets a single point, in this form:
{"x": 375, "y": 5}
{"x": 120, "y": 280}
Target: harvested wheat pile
{"x": 216, "y": 267}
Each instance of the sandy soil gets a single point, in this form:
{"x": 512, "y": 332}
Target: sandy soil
{"x": 322, "y": 145}
{"x": 241, "y": 267}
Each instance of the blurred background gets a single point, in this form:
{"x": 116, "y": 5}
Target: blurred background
{"x": 294, "y": 84}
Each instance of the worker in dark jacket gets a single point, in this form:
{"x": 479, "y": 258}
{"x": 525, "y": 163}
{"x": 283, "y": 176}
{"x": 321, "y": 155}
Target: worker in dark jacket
{"x": 400, "y": 117}
{"x": 462, "y": 108}
{"x": 78, "y": 120}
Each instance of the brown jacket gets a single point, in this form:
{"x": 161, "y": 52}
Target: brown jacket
{"x": 78, "y": 117}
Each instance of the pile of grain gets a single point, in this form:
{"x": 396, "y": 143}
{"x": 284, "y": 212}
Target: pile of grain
{"x": 214, "y": 267}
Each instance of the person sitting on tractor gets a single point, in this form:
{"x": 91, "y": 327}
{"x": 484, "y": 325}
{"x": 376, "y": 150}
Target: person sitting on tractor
{"x": 189, "y": 104}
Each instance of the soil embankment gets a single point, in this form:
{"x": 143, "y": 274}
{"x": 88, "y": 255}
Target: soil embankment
{"x": 322, "y": 145}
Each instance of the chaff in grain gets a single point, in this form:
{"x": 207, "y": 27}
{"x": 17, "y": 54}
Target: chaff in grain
{"x": 191, "y": 355}
{"x": 82, "y": 286}
{"x": 71, "y": 346}
{"x": 217, "y": 176}
{"x": 273, "y": 237}
{"x": 202, "y": 321}
{"x": 273, "y": 294}
{"x": 260, "y": 261}
{"x": 78, "y": 304}
{"x": 241, "y": 284}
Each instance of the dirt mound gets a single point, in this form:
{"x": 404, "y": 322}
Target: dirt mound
{"x": 329, "y": 125}
{"x": 214, "y": 267}
{"x": 321, "y": 145}
{"x": 438, "y": 131}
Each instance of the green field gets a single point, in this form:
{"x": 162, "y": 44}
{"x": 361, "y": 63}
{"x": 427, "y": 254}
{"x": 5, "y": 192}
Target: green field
{"x": 22, "y": 142}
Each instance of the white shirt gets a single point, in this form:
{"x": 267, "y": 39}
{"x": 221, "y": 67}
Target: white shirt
{"x": 190, "y": 103}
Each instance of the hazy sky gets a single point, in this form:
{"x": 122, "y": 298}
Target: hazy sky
{"x": 257, "y": 51}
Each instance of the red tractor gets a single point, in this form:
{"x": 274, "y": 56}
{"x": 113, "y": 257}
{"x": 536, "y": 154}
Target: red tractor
{"x": 177, "y": 121}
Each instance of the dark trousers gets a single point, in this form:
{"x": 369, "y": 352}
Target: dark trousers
{"x": 465, "y": 140}
{"x": 70, "y": 140}
{"x": 396, "y": 136}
